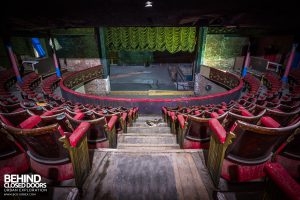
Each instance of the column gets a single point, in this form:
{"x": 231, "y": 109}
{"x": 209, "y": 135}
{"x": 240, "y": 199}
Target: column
{"x": 246, "y": 65}
{"x": 103, "y": 53}
{"x": 289, "y": 64}
{"x": 14, "y": 63}
{"x": 201, "y": 48}
{"x": 55, "y": 60}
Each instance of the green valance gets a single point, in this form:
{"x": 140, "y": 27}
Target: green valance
{"x": 171, "y": 39}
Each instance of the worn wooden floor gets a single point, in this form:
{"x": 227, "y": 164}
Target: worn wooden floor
{"x": 126, "y": 174}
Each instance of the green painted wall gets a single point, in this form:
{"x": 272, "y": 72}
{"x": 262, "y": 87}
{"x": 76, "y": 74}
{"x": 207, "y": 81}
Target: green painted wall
{"x": 221, "y": 49}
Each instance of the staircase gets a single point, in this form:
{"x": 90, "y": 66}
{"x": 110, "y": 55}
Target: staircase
{"x": 143, "y": 137}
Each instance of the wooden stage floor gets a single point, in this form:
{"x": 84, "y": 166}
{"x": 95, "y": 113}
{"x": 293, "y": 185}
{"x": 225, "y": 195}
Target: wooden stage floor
{"x": 128, "y": 174}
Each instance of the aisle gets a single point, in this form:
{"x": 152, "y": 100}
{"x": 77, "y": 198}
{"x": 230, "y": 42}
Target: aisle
{"x": 148, "y": 164}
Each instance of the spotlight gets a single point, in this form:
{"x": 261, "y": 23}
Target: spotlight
{"x": 148, "y": 4}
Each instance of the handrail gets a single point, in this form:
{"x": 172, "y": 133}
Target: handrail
{"x": 234, "y": 83}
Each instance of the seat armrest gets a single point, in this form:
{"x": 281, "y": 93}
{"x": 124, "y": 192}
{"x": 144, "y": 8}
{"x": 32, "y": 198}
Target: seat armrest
{"x": 79, "y": 133}
{"x": 124, "y": 116}
{"x": 112, "y": 122}
{"x": 283, "y": 180}
{"x": 269, "y": 122}
{"x": 79, "y": 116}
{"x": 164, "y": 110}
{"x": 217, "y": 128}
{"x": 31, "y": 122}
{"x": 181, "y": 121}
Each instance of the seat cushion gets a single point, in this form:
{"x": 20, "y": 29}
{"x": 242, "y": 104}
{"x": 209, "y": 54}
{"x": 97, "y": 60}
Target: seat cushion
{"x": 283, "y": 180}
{"x": 47, "y": 113}
{"x": 218, "y": 129}
{"x": 246, "y": 113}
{"x": 214, "y": 115}
{"x": 5, "y": 120}
{"x": 269, "y": 122}
{"x": 79, "y": 116}
{"x": 31, "y": 122}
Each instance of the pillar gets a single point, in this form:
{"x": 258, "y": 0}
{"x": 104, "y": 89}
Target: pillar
{"x": 14, "y": 63}
{"x": 103, "y": 53}
{"x": 56, "y": 64}
{"x": 289, "y": 64}
{"x": 246, "y": 65}
{"x": 200, "y": 48}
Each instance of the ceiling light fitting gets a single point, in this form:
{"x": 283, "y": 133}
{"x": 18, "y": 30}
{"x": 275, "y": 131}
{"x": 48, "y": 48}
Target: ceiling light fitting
{"x": 148, "y": 4}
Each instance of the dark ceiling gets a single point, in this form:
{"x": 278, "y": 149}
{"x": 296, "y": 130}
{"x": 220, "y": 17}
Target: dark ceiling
{"x": 43, "y": 15}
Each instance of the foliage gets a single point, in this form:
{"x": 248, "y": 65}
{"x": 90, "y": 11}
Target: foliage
{"x": 220, "y": 50}
{"x": 172, "y": 39}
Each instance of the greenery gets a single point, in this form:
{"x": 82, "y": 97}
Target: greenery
{"x": 220, "y": 50}
{"x": 171, "y": 39}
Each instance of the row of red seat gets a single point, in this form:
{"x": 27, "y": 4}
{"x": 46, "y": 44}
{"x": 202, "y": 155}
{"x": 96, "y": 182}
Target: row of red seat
{"x": 261, "y": 123}
{"x": 35, "y": 128}
{"x": 7, "y": 79}
{"x": 30, "y": 82}
{"x": 49, "y": 84}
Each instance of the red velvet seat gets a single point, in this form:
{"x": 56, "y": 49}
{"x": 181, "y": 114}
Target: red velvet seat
{"x": 251, "y": 150}
{"x": 101, "y": 134}
{"x": 285, "y": 186}
{"x": 47, "y": 155}
{"x": 13, "y": 159}
{"x": 196, "y": 134}
{"x": 243, "y": 115}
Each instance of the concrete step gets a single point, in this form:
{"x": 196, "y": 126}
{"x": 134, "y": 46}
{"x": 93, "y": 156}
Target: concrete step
{"x": 150, "y": 117}
{"x": 149, "y": 130}
{"x": 150, "y": 147}
{"x": 149, "y": 133}
{"x": 144, "y": 124}
{"x": 147, "y": 139}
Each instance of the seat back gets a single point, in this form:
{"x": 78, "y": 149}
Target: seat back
{"x": 234, "y": 115}
{"x": 7, "y": 147}
{"x": 96, "y": 133}
{"x": 42, "y": 143}
{"x": 254, "y": 144}
{"x": 283, "y": 118}
{"x": 198, "y": 128}
{"x": 292, "y": 150}
{"x": 14, "y": 119}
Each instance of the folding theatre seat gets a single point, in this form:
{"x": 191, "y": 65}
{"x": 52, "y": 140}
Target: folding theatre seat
{"x": 47, "y": 116}
{"x": 242, "y": 114}
{"x": 284, "y": 118}
{"x": 13, "y": 159}
{"x": 288, "y": 154}
{"x": 241, "y": 154}
{"x": 10, "y": 107}
{"x": 280, "y": 184}
{"x": 127, "y": 116}
{"x": 45, "y": 148}
{"x": 102, "y": 134}
{"x": 193, "y": 132}
{"x": 165, "y": 111}
{"x": 16, "y": 118}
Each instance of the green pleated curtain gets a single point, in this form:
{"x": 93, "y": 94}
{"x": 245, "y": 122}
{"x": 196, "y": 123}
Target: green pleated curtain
{"x": 171, "y": 39}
